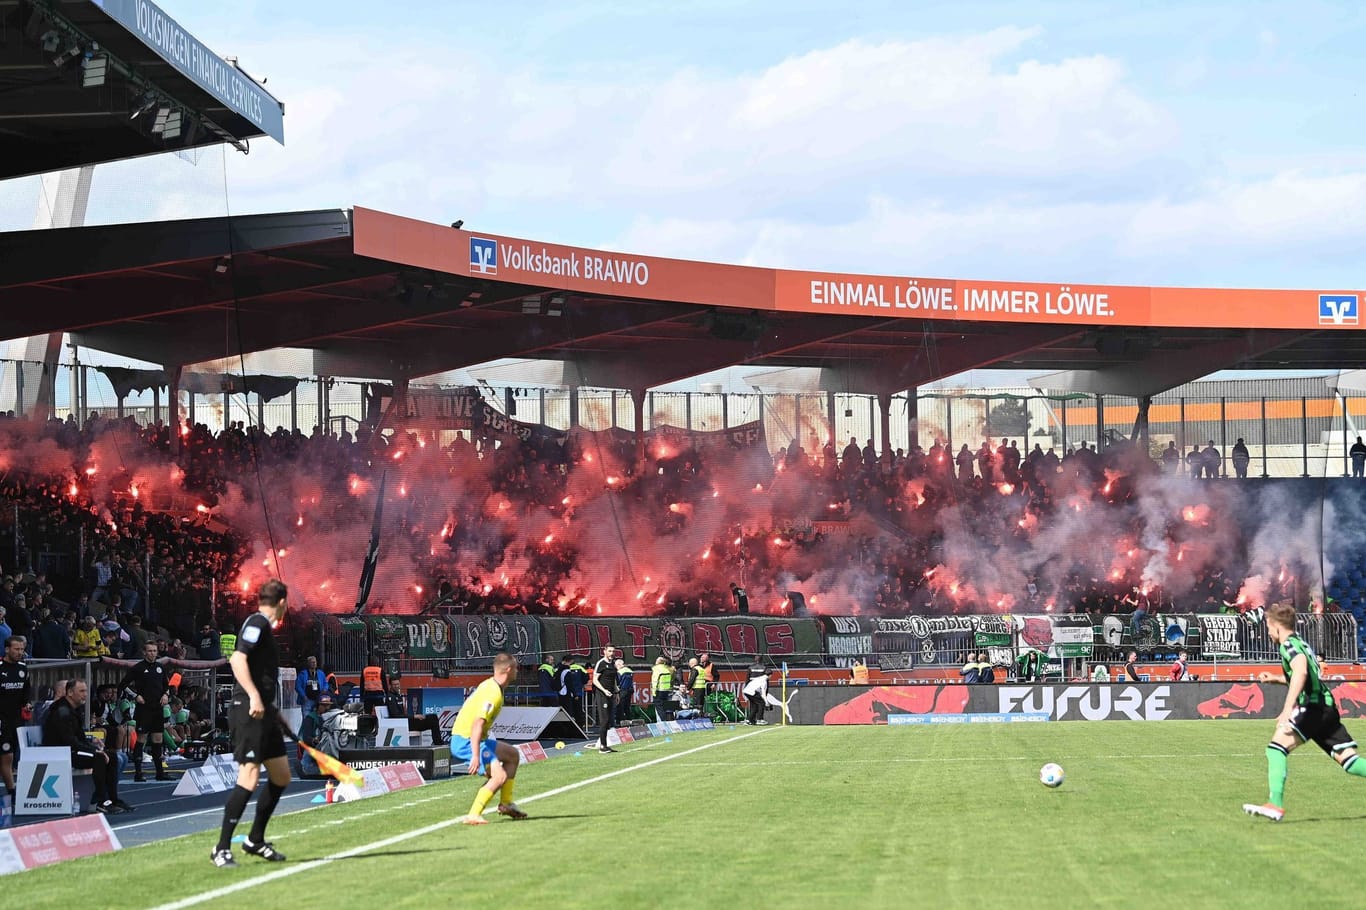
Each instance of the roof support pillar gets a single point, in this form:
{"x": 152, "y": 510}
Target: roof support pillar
{"x": 638, "y": 407}
{"x": 45, "y": 401}
{"x": 884, "y": 403}
{"x": 1140, "y": 433}
{"x": 1100, "y": 421}
{"x": 173, "y": 404}
{"x": 912, "y": 420}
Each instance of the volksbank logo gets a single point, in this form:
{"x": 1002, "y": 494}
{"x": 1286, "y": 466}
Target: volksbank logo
{"x": 1338, "y": 309}
{"x": 486, "y": 256}
{"x": 483, "y": 256}
{"x": 44, "y": 783}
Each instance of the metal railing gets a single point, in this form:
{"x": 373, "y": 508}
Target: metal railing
{"x": 1333, "y": 636}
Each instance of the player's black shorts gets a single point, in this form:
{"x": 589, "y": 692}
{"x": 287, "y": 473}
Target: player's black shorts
{"x": 254, "y": 741}
{"x": 1321, "y": 725}
{"x": 9, "y": 738}
{"x": 150, "y": 718}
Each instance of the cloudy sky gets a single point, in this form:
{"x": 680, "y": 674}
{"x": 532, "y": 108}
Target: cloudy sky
{"x": 1202, "y": 143}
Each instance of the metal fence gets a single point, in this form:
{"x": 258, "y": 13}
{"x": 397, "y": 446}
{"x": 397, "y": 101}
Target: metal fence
{"x": 45, "y": 674}
{"x": 1292, "y": 427}
{"x": 344, "y": 646}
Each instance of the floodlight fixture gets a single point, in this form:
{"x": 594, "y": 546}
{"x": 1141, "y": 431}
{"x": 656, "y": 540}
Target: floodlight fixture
{"x": 555, "y": 305}
{"x": 167, "y": 123}
{"x": 73, "y": 50}
{"x": 50, "y": 40}
{"x": 95, "y": 72}
{"x": 458, "y": 223}
{"x": 531, "y": 305}
{"x": 144, "y": 104}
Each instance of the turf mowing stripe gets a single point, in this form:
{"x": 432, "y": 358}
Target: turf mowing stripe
{"x": 429, "y": 829}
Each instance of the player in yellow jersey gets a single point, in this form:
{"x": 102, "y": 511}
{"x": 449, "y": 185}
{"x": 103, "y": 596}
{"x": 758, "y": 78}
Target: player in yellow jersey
{"x": 498, "y": 761}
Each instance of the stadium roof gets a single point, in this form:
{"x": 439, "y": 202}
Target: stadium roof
{"x": 89, "y": 81}
{"x": 379, "y": 296}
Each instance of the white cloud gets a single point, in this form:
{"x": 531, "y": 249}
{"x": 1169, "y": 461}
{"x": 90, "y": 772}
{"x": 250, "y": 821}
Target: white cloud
{"x": 450, "y": 131}
{"x": 959, "y": 155}
{"x": 1250, "y": 233}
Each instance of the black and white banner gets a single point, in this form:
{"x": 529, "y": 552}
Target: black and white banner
{"x": 1219, "y": 636}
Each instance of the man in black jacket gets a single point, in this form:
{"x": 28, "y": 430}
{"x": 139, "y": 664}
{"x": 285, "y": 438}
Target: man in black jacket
{"x": 605, "y": 691}
{"x": 65, "y": 726}
{"x": 16, "y": 694}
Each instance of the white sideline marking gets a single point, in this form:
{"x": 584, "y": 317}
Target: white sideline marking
{"x": 419, "y": 832}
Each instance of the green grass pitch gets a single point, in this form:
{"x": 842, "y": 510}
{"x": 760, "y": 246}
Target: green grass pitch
{"x": 804, "y": 817}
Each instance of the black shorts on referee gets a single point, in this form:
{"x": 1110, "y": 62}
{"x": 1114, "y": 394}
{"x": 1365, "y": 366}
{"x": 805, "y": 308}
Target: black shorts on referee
{"x": 1321, "y": 725}
{"x": 150, "y": 718}
{"x": 254, "y": 740}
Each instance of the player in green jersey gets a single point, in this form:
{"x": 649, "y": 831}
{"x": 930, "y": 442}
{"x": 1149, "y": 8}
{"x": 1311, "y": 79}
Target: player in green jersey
{"x": 1309, "y": 713}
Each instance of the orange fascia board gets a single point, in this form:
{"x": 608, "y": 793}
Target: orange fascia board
{"x": 419, "y": 244}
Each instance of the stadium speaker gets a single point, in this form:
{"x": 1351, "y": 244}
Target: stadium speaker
{"x": 1111, "y": 346}
{"x": 735, "y": 325}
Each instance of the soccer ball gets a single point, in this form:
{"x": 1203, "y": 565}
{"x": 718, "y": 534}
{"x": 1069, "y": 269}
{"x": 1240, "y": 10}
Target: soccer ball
{"x": 1051, "y": 775}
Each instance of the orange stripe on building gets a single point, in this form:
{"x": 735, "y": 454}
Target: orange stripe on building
{"x": 1276, "y": 409}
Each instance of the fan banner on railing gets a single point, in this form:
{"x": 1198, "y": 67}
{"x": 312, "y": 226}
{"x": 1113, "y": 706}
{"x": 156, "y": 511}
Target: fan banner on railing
{"x": 847, "y": 638}
{"x": 478, "y": 638}
{"x": 993, "y": 631}
{"x": 744, "y": 436}
{"x": 1219, "y": 636}
{"x": 428, "y": 639}
{"x": 731, "y": 641}
{"x": 466, "y": 409}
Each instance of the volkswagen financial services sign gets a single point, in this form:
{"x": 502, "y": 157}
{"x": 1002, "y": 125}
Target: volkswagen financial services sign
{"x": 197, "y": 63}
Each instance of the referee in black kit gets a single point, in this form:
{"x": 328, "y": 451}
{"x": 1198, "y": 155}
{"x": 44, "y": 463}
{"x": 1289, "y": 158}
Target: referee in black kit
{"x": 257, "y": 735}
{"x": 148, "y": 684}
{"x": 605, "y": 682}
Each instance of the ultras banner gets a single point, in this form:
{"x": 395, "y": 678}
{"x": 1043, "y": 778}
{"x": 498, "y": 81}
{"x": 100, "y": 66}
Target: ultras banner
{"x": 1100, "y": 701}
{"x": 926, "y": 640}
{"x": 733, "y": 641}
{"x": 1058, "y": 636}
{"x": 477, "y": 638}
{"x": 847, "y": 638}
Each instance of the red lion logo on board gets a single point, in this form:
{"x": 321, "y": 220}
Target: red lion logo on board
{"x": 873, "y": 706}
{"x": 1244, "y": 700}
{"x": 1350, "y": 697}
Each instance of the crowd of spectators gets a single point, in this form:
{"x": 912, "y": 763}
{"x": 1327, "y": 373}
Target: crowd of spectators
{"x": 93, "y": 554}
